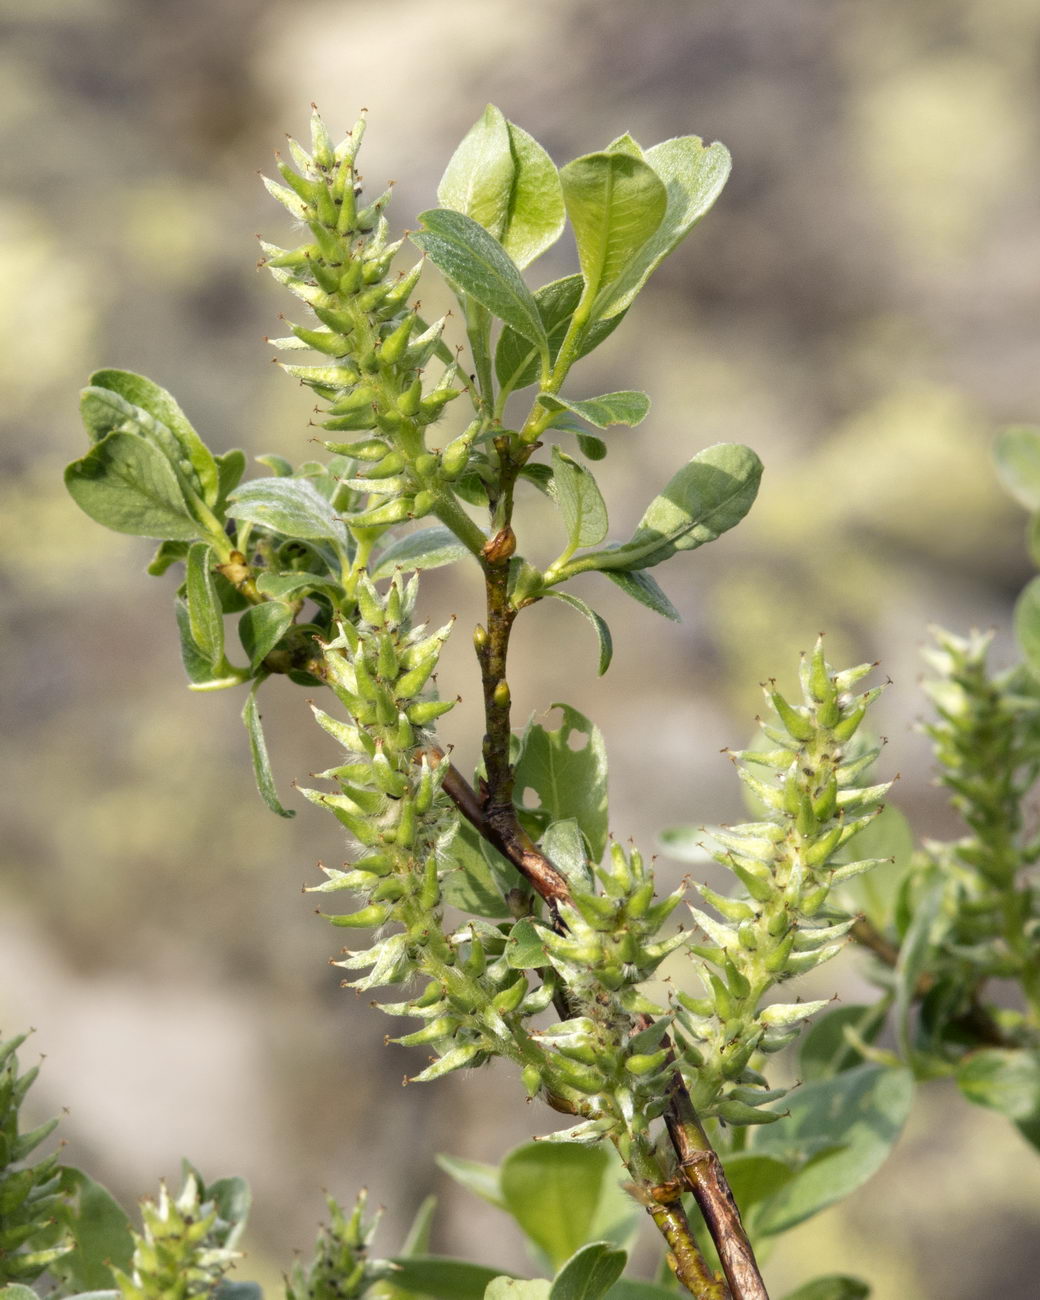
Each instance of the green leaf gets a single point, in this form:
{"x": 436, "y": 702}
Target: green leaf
{"x": 564, "y": 845}
{"x": 429, "y": 548}
{"x": 915, "y": 953}
{"x": 286, "y": 586}
{"x": 479, "y": 1178}
{"x": 261, "y": 627}
{"x": 127, "y": 484}
{"x": 100, "y": 1231}
{"x": 15, "y": 1291}
{"x": 591, "y": 448}
{"x": 606, "y": 643}
{"x": 525, "y": 947}
{"x": 205, "y": 615}
{"x": 755, "y": 1178}
{"x": 693, "y": 177}
{"x": 290, "y": 506}
{"x": 873, "y": 892}
{"x": 836, "y": 1286}
{"x": 502, "y": 178}
{"x": 615, "y": 203}
{"x": 238, "y": 1291}
{"x": 629, "y": 1289}
{"x": 561, "y": 1194}
{"x": 479, "y": 265}
{"x": 473, "y": 886}
{"x": 643, "y": 586}
{"x": 1017, "y": 456}
{"x": 508, "y": 1288}
{"x": 230, "y": 468}
{"x": 625, "y": 407}
{"x": 567, "y": 770}
{"x": 589, "y": 1273}
{"x": 258, "y": 748}
{"x": 704, "y": 499}
{"x": 579, "y": 500}
{"x": 159, "y": 404}
{"x": 825, "y": 1051}
{"x": 1027, "y": 624}
{"x": 516, "y": 358}
{"x": 847, "y": 1125}
{"x": 233, "y": 1199}
{"x": 439, "y": 1278}
{"x": 202, "y": 674}
{"x": 1004, "y": 1080}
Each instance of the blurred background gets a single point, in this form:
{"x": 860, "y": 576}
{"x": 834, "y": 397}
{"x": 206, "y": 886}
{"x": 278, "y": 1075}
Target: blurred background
{"x": 860, "y": 307}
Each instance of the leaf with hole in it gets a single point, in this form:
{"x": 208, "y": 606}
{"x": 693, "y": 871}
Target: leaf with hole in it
{"x": 625, "y": 407}
{"x": 516, "y": 358}
{"x": 476, "y": 262}
{"x": 1016, "y": 453}
{"x": 429, "y": 548}
{"x": 258, "y": 748}
{"x": 599, "y": 626}
{"x": 615, "y": 203}
{"x": 589, "y": 1273}
{"x": 126, "y": 483}
{"x": 706, "y": 498}
{"x": 566, "y": 770}
{"x": 291, "y": 506}
{"x": 579, "y": 500}
{"x": 503, "y": 178}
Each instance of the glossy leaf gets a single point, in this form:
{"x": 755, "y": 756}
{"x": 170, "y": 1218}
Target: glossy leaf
{"x": 836, "y": 1286}
{"x": 704, "y": 499}
{"x": 560, "y": 1194}
{"x": 567, "y": 771}
{"x": 128, "y": 485}
{"x": 428, "y": 548}
{"x": 599, "y": 626}
{"x": 643, "y": 586}
{"x": 258, "y": 748}
{"x": 1017, "y": 456}
{"x": 502, "y": 178}
{"x": 161, "y": 405}
{"x": 438, "y": 1278}
{"x": 291, "y": 506}
{"x": 693, "y": 176}
{"x": 589, "y": 1273}
{"x": 615, "y": 203}
{"x": 625, "y": 407}
{"x": 205, "y": 615}
{"x": 516, "y": 358}
{"x": 579, "y": 500}
{"x": 480, "y": 266}
{"x": 847, "y": 1125}
{"x": 1004, "y": 1080}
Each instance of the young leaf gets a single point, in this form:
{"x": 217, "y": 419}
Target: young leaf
{"x": 127, "y": 484}
{"x": 100, "y": 1231}
{"x": 479, "y": 1178}
{"x": 472, "y": 886}
{"x": 693, "y": 177}
{"x": 286, "y": 586}
{"x": 1003, "y": 1080}
{"x": 589, "y": 1273}
{"x": 914, "y": 953}
{"x": 704, "y": 499}
{"x": 852, "y": 1121}
{"x": 1017, "y": 456}
{"x": 516, "y": 358}
{"x": 429, "y": 548}
{"x": 205, "y": 615}
{"x": 625, "y": 407}
{"x": 836, "y": 1286}
{"x": 525, "y": 948}
{"x": 1027, "y": 624}
{"x": 258, "y": 748}
{"x": 479, "y": 265}
{"x": 643, "y": 586}
{"x": 599, "y": 625}
{"x": 564, "y": 845}
{"x": 509, "y": 1288}
{"x": 261, "y": 627}
{"x": 159, "y": 404}
{"x": 825, "y": 1051}
{"x": 230, "y": 468}
{"x": 579, "y": 500}
{"x": 202, "y": 673}
{"x": 615, "y": 202}
{"x": 502, "y": 178}
{"x": 290, "y": 506}
{"x": 567, "y": 771}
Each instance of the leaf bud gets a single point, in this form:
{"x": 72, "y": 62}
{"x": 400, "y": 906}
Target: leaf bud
{"x": 480, "y": 637}
{"x": 501, "y": 694}
{"x": 532, "y": 1079}
{"x": 423, "y": 712}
